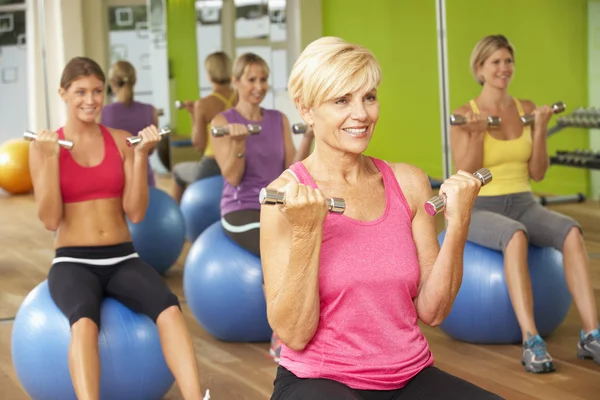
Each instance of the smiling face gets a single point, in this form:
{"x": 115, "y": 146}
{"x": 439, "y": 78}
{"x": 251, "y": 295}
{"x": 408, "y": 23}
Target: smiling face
{"x": 497, "y": 70}
{"x": 84, "y": 98}
{"x": 346, "y": 122}
{"x": 252, "y": 86}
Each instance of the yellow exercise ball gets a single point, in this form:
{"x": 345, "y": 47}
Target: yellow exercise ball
{"x": 14, "y": 167}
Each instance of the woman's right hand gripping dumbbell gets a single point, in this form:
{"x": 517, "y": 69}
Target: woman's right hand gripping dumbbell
{"x": 476, "y": 124}
{"x": 47, "y": 143}
{"x": 304, "y": 207}
{"x": 238, "y": 131}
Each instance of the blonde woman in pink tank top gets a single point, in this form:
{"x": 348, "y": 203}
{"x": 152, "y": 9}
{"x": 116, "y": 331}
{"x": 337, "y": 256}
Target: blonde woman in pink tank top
{"x": 345, "y": 291}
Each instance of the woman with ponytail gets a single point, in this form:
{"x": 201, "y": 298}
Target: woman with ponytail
{"x": 125, "y": 113}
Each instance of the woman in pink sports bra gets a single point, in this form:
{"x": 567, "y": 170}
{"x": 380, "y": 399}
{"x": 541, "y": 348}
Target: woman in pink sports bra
{"x": 345, "y": 291}
{"x": 85, "y": 195}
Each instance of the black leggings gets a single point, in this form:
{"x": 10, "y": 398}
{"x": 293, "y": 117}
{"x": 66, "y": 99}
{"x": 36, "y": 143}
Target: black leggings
{"x": 243, "y": 228}
{"x": 80, "y": 277}
{"x": 431, "y": 384}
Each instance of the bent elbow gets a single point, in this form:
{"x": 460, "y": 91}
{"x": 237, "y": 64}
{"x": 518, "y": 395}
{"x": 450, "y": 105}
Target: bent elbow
{"x": 432, "y": 319}
{"x": 135, "y": 218}
{"x": 51, "y": 225}
{"x": 51, "y": 222}
{"x": 232, "y": 180}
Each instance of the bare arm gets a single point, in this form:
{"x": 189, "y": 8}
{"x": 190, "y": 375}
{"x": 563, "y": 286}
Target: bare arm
{"x": 290, "y": 257}
{"x": 199, "y": 132}
{"x": 135, "y": 165}
{"x": 230, "y": 153}
{"x": 290, "y": 153}
{"x": 440, "y": 269}
{"x": 539, "y": 161}
{"x": 466, "y": 142}
{"x": 305, "y": 146}
{"x": 45, "y": 176}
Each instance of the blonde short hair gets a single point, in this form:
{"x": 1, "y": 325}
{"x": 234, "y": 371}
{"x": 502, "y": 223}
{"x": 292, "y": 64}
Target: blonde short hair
{"x": 329, "y": 68}
{"x": 218, "y": 67}
{"x": 244, "y": 61}
{"x": 484, "y": 48}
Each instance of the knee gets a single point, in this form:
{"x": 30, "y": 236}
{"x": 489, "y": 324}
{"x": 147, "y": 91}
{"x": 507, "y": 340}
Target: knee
{"x": 168, "y": 315}
{"x": 84, "y": 327}
{"x": 574, "y": 234}
{"x": 573, "y": 238}
{"x": 518, "y": 238}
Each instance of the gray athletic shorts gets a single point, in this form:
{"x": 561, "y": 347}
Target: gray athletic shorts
{"x": 495, "y": 219}
{"x": 188, "y": 172}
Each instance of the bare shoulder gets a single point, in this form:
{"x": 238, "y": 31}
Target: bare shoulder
{"x": 528, "y": 105}
{"x": 219, "y": 120}
{"x": 413, "y": 181}
{"x": 282, "y": 180}
{"x": 120, "y": 137}
{"x": 462, "y": 110}
{"x": 284, "y": 117}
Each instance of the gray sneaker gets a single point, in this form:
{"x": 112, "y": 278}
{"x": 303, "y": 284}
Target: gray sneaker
{"x": 588, "y": 346}
{"x": 535, "y": 356}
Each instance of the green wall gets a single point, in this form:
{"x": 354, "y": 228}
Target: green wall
{"x": 402, "y": 34}
{"x": 183, "y": 61}
{"x": 550, "y": 40}
{"x": 550, "y": 37}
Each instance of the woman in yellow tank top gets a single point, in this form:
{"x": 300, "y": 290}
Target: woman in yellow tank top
{"x": 507, "y": 216}
{"x": 223, "y": 97}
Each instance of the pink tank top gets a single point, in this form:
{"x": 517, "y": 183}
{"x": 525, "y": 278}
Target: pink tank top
{"x": 368, "y": 336}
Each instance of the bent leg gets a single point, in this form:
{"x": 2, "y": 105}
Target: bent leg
{"x": 139, "y": 287}
{"x": 551, "y": 229}
{"x": 433, "y": 383}
{"x": 78, "y": 294}
{"x": 243, "y": 227}
{"x": 184, "y": 173}
{"x": 496, "y": 231}
{"x": 289, "y": 387}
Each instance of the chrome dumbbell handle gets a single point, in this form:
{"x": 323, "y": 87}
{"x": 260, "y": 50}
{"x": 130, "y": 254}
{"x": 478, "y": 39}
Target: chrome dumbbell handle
{"x": 456, "y": 119}
{"x": 272, "y": 196}
{"x": 67, "y": 144}
{"x": 437, "y": 203}
{"x": 556, "y": 108}
{"x": 131, "y": 141}
{"x": 253, "y": 129}
{"x": 299, "y": 128}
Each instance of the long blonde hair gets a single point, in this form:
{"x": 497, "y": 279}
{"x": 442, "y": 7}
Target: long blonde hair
{"x": 122, "y": 76}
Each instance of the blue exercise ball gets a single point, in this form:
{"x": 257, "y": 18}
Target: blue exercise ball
{"x": 160, "y": 236}
{"x": 483, "y": 313}
{"x": 201, "y": 205}
{"x": 222, "y": 283}
{"x": 131, "y": 358}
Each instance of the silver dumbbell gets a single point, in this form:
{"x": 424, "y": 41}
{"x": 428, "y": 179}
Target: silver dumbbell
{"x": 556, "y": 108}
{"x": 253, "y": 129}
{"x": 437, "y": 203}
{"x": 299, "y": 128}
{"x": 456, "y": 119}
{"x": 67, "y": 144}
{"x": 136, "y": 139}
{"x": 272, "y": 196}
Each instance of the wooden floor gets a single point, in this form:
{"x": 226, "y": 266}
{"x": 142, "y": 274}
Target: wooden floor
{"x": 245, "y": 372}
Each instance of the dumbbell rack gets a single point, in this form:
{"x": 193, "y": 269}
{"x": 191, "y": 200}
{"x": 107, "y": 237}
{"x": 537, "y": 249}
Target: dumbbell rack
{"x": 587, "y": 118}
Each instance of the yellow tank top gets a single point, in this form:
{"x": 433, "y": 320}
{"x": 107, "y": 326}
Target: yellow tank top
{"x": 208, "y": 150}
{"x": 507, "y": 160}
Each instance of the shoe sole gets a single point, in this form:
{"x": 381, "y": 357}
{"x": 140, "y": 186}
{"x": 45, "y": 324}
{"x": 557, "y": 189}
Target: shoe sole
{"x": 586, "y": 355}
{"x": 544, "y": 369}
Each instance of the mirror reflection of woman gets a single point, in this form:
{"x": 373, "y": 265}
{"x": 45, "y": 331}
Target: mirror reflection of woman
{"x": 126, "y": 113}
